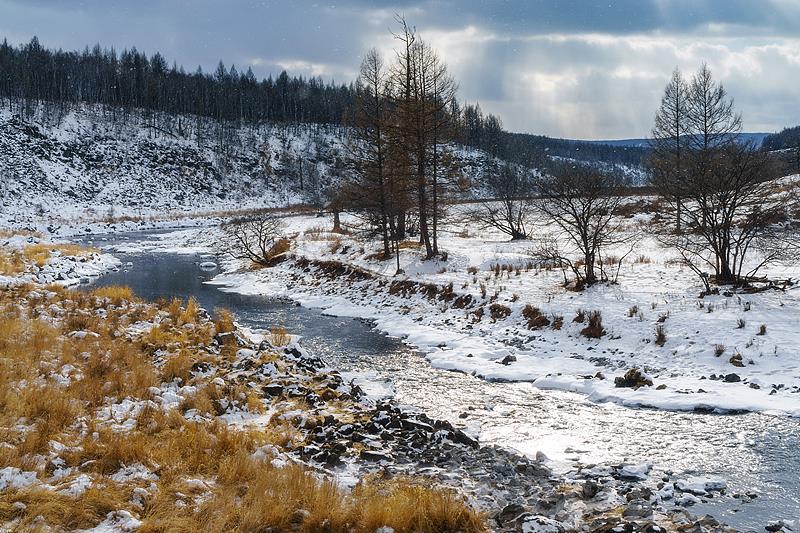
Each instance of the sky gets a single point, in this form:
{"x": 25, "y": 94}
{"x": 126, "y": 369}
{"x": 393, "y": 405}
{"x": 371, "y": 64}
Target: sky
{"x": 581, "y": 69}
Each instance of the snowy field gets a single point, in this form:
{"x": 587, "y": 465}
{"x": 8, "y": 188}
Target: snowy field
{"x": 722, "y": 353}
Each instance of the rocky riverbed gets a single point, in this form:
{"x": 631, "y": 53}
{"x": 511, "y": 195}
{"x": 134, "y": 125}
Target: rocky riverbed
{"x": 366, "y": 437}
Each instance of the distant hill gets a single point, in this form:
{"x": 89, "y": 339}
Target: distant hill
{"x": 787, "y": 138}
{"x": 755, "y": 137}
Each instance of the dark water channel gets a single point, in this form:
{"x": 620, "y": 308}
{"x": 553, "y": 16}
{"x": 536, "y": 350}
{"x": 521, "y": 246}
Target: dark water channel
{"x": 754, "y": 453}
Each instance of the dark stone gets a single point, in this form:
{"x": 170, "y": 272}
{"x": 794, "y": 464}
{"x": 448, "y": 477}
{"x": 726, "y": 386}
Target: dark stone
{"x": 732, "y": 378}
{"x": 589, "y": 490}
{"x": 509, "y": 513}
{"x": 462, "y": 438}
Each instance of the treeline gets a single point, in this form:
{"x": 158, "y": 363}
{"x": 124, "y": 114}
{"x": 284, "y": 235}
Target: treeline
{"x": 786, "y": 138}
{"x": 486, "y": 133}
{"x": 31, "y": 75}
{"x": 788, "y": 141}
{"x": 34, "y": 77}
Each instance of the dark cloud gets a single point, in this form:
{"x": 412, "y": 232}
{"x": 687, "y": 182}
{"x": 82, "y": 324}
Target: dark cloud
{"x": 579, "y": 68}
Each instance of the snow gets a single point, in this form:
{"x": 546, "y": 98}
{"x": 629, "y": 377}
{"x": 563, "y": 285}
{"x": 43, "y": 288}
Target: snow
{"x": 639, "y": 471}
{"x": 90, "y": 174}
{"x": 14, "y": 478}
{"x": 116, "y": 522}
{"x": 686, "y": 373}
{"x": 701, "y": 485}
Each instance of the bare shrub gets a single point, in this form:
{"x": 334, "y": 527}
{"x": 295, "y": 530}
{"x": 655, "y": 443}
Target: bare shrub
{"x": 256, "y": 238}
{"x": 499, "y": 312}
{"x": 719, "y": 349}
{"x": 279, "y": 336}
{"x": 661, "y": 335}
{"x": 594, "y": 329}
{"x": 535, "y": 318}
{"x": 762, "y": 329}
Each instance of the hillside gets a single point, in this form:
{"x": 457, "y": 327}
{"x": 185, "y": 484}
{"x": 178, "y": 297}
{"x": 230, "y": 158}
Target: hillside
{"x": 93, "y": 165}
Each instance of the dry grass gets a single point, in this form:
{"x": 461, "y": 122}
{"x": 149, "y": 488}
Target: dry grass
{"x": 42, "y": 403}
{"x": 224, "y": 321}
{"x": 117, "y": 294}
{"x": 534, "y": 317}
{"x": 14, "y": 261}
{"x": 279, "y": 336}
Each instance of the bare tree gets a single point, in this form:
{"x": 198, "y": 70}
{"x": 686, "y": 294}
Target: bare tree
{"x": 510, "y": 207}
{"x": 257, "y": 238}
{"x": 712, "y": 118}
{"x": 736, "y": 215}
{"x": 669, "y": 140}
{"x": 580, "y": 201}
{"x": 422, "y": 95}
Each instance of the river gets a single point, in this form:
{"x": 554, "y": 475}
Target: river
{"x": 755, "y": 453}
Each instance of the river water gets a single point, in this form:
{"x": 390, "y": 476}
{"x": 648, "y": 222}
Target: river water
{"x": 754, "y": 453}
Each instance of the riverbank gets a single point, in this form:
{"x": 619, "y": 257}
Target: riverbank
{"x": 124, "y": 415}
{"x": 488, "y": 311}
{"x": 239, "y": 382}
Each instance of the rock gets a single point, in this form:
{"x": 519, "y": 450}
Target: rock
{"x": 699, "y": 485}
{"x": 509, "y": 513}
{"x": 589, "y": 490}
{"x": 774, "y": 526}
{"x": 539, "y": 524}
{"x": 273, "y": 389}
{"x": 507, "y": 360}
{"x": 376, "y": 456}
{"x": 633, "y": 378}
{"x": 639, "y": 471}
{"x": 638, "y": 510}
{"x": 300, "y": 516}
{"x": 732, "y": 378}
{"x": 462, "y": 438}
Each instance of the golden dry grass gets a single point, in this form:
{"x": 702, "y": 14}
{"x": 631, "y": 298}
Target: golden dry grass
{"x": 52, "y": 384}
{"x": 279, "y": 336}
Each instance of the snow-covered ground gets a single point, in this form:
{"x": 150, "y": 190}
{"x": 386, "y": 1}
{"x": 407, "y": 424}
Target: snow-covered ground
{"x": 716, "y": 355}
{"x": 95, "y": 168}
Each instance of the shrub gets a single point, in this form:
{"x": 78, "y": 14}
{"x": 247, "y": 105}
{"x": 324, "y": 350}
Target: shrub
{"x": 594, "y": 330}
{"x": 633, "y": 311}
{"x": 661, "y": 335}
{"x": 580, "y": 316}
{"x": 740, "y": 323}
{"x": 558, "y": 322}
{"x": 535, "y": 318}
{"x": 762, "y": 329}
{"x": 719, "y": 349}
{"x": 499, "y": 312}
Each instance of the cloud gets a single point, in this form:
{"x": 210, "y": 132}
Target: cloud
{"x": 570, "y": 68}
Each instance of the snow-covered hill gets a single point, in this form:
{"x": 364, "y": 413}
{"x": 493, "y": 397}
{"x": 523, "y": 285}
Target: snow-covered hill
{"x": 92, "y": 164}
